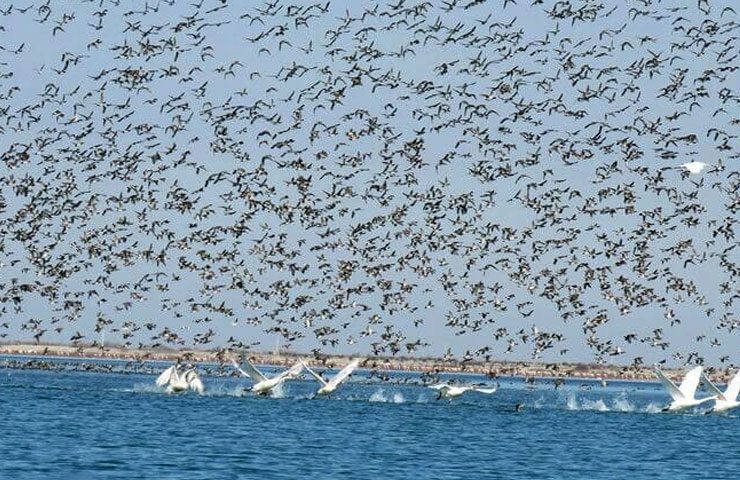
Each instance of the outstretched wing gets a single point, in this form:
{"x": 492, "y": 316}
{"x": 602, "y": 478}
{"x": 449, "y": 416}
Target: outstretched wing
{"x": 691, "y": 382}
{"x": 194, "y": 382}
{"x": 673, "y": 390}
{"x": 292, "y": 371}
{"x": 165, "y": 377}
{"x": 733, "y": 388}
{"x": 249, "y": 370}
{"x": 314, "y": 374}
{"x": 345, "y": 372}
{"x": 440, "y": 386}
{"x": 486, "y": 390}
{"x": 713, "y": 387}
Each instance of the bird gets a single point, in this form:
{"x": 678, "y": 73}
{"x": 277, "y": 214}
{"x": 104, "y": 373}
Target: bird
{"x": 450, "y": 391}
{"x": 728, "y": 399}
{"x": 329, "y": 386}
{"x": 177, "y": 381}
{"x": 264, "y": 385}
{"x": 325, "y": 205}
{"x": 694, "y": 167}
{"x": 683, "y": 396}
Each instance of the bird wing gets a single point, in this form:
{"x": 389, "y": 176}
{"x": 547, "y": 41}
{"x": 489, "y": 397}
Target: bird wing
{"x": 345, "y": 372}
{"x": 691, "y": 382}
{"x": 733, "y": 388}
{"x": 292, "y": 371}
{"x": 673, "y": 390}
{"x": 165, "y": 377}
{"x": 314, "y": 374}
{"x": 249, "y": 370}
{"x": 486, "y": 390}
{"x": 440, "y": 386}
{"x": 194, "y": 382}
{"x": 713, "y": 387}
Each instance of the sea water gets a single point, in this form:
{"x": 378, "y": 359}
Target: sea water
{"x": 82, "y": 425}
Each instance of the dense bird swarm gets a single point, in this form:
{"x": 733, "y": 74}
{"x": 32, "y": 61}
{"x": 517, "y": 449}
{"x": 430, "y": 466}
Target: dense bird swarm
{"x": 386, "y": 177}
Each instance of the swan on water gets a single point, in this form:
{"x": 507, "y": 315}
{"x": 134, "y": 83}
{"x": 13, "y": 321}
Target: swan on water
{"x": 179, "y": 382}
{"x": 449, "y": 391}
{"x": 327, "y": 387}
{"x": 726, "y": 400}
{"x": 264, "y": 385}
{"x": 683, "y": 396}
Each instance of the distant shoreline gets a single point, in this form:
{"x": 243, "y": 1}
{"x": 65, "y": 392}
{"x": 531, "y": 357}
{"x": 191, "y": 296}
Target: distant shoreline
{"x": 494, "y": 368}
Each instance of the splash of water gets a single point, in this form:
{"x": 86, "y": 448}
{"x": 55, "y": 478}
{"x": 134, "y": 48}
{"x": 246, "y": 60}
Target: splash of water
{"x": 594, "y": 405}
{"x": 572, "y": 403}
{"x": 380, "y": 396}
{"x": 145, "y": 388}
{"x": 278, "y": 391}
{"x": 597, "y": 405}
{"x": 621, "y": 404}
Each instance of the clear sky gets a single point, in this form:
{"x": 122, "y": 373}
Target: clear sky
{"x": 117, "y": 88}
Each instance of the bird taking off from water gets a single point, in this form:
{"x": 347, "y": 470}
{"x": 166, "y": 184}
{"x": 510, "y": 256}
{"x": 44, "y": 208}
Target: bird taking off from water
{"x": 726, "y": 400}
{"x": 683, "y": 396}
{"x": 450, "y": 391}
{"x": 264, "y": 385}
{"x": 328, "y": 387}
{"x": 177, "y": 382}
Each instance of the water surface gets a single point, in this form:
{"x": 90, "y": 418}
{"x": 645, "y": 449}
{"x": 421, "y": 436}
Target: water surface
{"x": 93, "y": 425}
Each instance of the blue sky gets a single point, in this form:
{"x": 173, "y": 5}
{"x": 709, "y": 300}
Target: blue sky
{"x": 260, "y": 76}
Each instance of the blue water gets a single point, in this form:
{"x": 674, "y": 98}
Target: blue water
{"x": 80, "y": 425}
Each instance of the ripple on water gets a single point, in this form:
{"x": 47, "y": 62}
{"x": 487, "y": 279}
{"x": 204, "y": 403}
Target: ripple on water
{"x": 355, "y": 433}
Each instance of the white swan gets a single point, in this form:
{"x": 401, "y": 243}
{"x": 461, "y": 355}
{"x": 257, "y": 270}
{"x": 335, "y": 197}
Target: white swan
{"x": 178, "y": 382}
{"x": 683, "y": 396}
{"x": 694, "y": 167}
{"x": 726, "y": 400}
{"x": 449, "y": 391}
{"x": 327, "y": 387}
{"x": 264, "y": 385}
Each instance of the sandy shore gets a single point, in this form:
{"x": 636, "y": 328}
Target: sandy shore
{"x": 493, "y": 368}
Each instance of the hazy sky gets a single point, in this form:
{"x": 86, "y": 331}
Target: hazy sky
{"x": 90, "y": 52}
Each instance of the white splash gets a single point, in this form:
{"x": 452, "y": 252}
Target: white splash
{"x": 278, "y": 391}
{"x": 597, "y": 405}
{"x": 594, "y": 405}
{"x": 379, "y": 396}
{"x": 621, "y": 404}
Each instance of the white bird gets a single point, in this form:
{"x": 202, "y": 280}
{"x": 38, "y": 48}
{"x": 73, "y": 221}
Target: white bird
{"x": 327, "y": 387}
{"x": 683, "y": 396}
{"x": 448, "y": 391}
{"x": 726, "y": 400}
{"x": 694, "y": 167}
{"x": 178, "y": 382}
{"x": 264, "y": 385}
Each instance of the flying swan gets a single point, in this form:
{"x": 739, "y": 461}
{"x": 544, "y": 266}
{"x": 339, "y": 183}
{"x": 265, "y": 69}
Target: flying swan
{"x": 449, "y": 391}
{"x": 727, "y": 400}
{"x": 264, "y": 385}
{"x": 683, "y": 396}
{"x": 179, "y": 382}
{"x": 327, "y": 387}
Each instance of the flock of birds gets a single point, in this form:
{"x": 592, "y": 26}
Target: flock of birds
{"x": 392, "y": 177}
{"x": 683, "y": 396}
{"x": 176, "y": 382}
